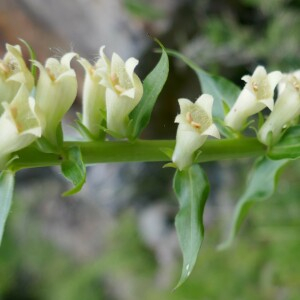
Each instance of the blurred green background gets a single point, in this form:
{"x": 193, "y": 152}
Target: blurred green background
{"x": 116, "y": 239}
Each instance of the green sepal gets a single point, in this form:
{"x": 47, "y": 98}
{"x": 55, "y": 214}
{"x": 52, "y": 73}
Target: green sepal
{"x": 7, "y": 182}
{"x": 152, "y": 86}
{"x": 73, "y": 169}
{"x": 112, "y": 133}
{"x": 288, "y": 146}
{"x": 191, "y": 188}
{"x": 197, "y": 155}
{"x": 59, "y": 136}
{"x": 225, "y": 130}
{"x": 261, "y": 184}
{"x": 222, "y": 90}
{"x": 169, "y": 165}
{"x": 226, "y": 108}
{"x": 10, "y": 162}
{"x": 261, "y": 120}
{"x": 33, "y": 67}
{"x": 85, "y": 132}
{"x": 167, "y": 151}
{"x": 43, "y": 145}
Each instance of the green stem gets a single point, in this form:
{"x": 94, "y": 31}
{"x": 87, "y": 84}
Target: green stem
{"x": 139, "y": 151}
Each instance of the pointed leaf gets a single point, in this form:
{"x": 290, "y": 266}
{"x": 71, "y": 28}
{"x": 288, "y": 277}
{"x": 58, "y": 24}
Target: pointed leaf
{"x": 288, "y": 146}
{"x": 153, "y": 85}
{"x": 220, "y": 88}
{"x": 7, "y": 181}
{"x": 74, "y": 169}
{"x": 261, "y": 185}
{"x": 191, "y": 187}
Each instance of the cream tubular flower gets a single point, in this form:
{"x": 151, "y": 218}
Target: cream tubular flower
{"x": 56, "y": 91}
{"x": 195, "y": 124}
{"x": 20, "y": 124}
{"x": 13, "y": 73}
{"x": 93, "y": 98}
{"x": 257, "y": 94}
{"x": 286, "y": 109}
{"x": 124, "y": 90}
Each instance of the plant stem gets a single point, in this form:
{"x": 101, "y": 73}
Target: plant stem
{"x": 139, "y": 151}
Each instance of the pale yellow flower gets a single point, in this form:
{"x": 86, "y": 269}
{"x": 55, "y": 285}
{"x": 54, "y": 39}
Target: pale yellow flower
{"x": 56, "y": 91}
{"x": 13, "y": 73}
{"x": 286, "y": 109}
{"x": 20, "y": 124}
{"x": 124, "y": 90}
{"x": 257, "y": 94}
{"x": 195, "y": 124}
{"x": 93, "y": 98}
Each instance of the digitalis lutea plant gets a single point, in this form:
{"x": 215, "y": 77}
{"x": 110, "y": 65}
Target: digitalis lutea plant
{"x": 115, "y": 103}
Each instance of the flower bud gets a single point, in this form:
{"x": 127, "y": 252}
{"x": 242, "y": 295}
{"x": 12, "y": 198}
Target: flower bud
{"x": 56, "y": 91}
{"x": 20, "y": 124}
{"x": 123, "y": 92}
{"x": 195, "y": 125}
{"x": 286, "y": 109}
{"x": 257, "y": 94}
{"x": 13, "y": 73}
{"x": 93, "y": 98}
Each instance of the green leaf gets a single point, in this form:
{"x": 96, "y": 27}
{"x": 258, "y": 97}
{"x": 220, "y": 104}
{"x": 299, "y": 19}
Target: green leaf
{"x": 261, "y": 185}
{"x": 220, "y": 88}
{"x": 7, "y": 181}
{"x": 288, "y": 146}
{"x": 153, "y": 85}
{"x": 191, "y": 187}
{"x": 74, "y": 169}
